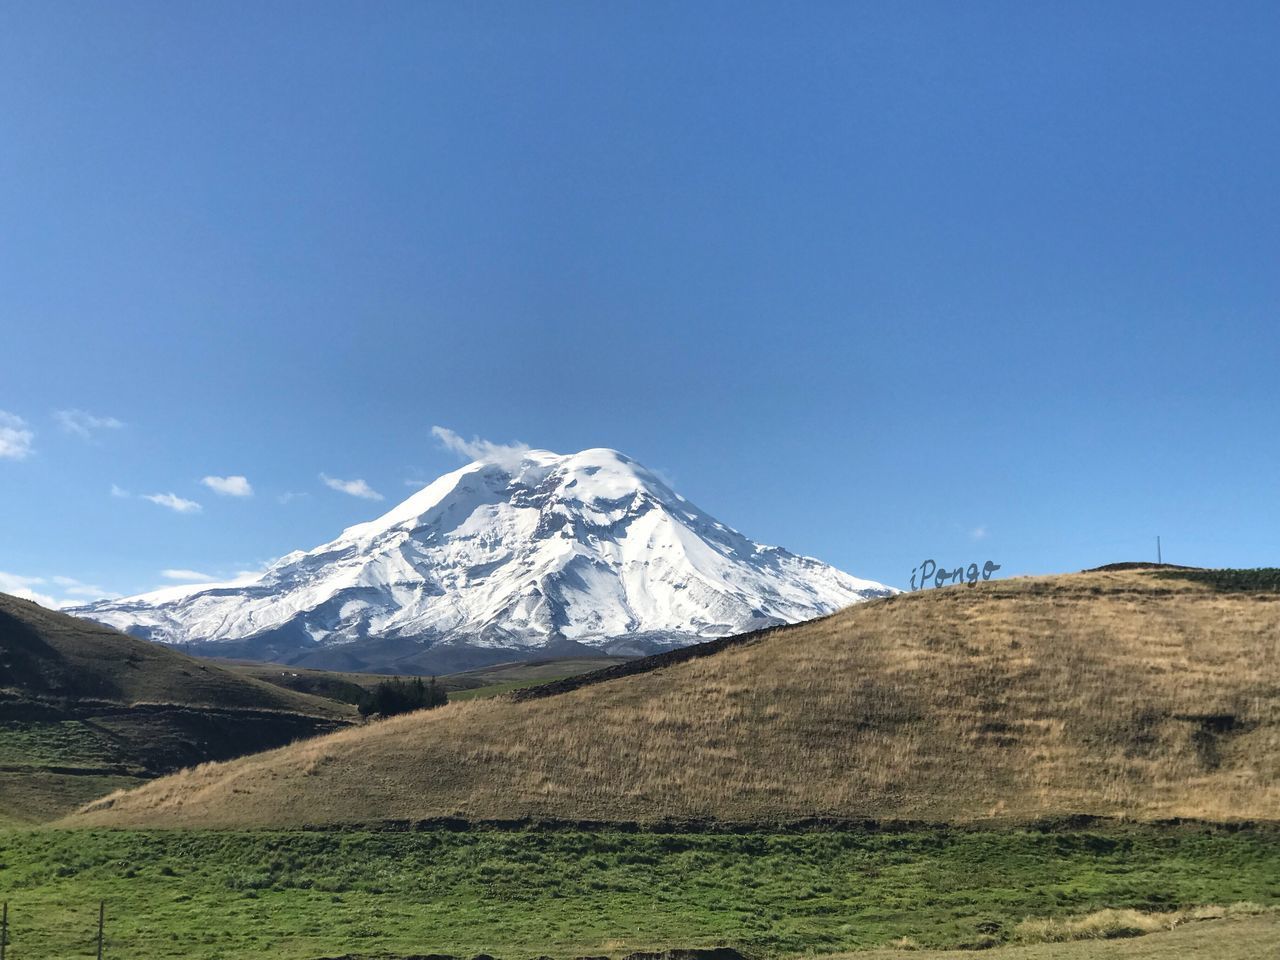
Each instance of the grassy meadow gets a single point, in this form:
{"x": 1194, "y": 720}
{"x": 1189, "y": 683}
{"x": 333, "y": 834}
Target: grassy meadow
{"x": 204, "y": 895}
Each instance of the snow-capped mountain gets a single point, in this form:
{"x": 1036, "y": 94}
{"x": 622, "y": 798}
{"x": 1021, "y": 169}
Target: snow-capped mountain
{"x": 516, "y": 556}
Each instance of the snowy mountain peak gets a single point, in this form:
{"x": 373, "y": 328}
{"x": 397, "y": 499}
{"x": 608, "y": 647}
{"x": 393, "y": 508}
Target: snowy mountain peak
{"x": 515, "y": 553}
{"x": 590, "y": 476}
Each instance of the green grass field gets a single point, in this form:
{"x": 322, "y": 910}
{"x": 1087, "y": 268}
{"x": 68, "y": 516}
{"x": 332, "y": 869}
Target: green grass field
{"x": 294, "y": 895}
{"x": 54, "y": 766}
{"x": 71, "y": 743}
{"x": 51, "y": 766}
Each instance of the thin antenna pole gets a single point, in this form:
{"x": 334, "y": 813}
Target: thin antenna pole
{"x": 1159, "y": 556}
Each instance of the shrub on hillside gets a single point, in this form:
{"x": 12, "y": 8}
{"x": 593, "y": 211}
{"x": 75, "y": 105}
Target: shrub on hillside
{"x": 402, "y": 696}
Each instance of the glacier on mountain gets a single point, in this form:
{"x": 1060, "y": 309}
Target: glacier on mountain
{"x": 506, "y": 558}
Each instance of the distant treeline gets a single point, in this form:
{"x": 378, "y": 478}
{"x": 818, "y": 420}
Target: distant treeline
{"x": 1228, "y": 580}
{"x": 402, "y": 696}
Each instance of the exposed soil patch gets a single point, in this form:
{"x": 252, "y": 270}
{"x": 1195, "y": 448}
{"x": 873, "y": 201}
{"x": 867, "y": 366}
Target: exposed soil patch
{"x": 713, "y": 953}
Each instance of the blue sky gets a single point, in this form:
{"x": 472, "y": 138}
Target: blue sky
{"x": 874, "y": 281}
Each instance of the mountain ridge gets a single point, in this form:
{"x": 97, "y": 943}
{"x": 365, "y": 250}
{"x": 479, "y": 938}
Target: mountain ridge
{"x": 536, "y": 552}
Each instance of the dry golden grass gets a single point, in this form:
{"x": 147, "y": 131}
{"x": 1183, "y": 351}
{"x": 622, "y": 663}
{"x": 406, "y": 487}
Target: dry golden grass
{"x": 1114, "y": 924}
{"x": 1237, "y": 938}
{"x": 1115, "y": 693}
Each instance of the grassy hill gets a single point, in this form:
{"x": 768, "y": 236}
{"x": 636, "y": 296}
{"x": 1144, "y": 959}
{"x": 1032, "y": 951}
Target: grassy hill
{"x": 1136, "y": 693}
{"x": 85, "y": 710}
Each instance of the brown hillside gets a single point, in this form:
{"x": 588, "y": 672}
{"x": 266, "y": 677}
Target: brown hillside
{"x": 1145, "y": 694}
{"x": 45, "y": 654}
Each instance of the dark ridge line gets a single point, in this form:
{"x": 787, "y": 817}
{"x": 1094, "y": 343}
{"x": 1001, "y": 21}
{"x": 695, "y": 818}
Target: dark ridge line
{"x": 1137, "y": 565}
{"x": 77, "y": 708}
{"x": 709, "y": 648}
{"x": 1064, "y": 823}
{"x": 656, "y": 661}
{"x": 65, "y": 771}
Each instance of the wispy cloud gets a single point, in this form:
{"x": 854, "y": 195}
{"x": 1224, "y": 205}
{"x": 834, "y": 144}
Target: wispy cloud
{"x": 666, "y": 476}
{"x": 978, "y": 533}
{"x": 76, "y": 588}
{"x": 173, "y": 502}
{"x": 229, "y": 486}
{"x": 84, "y": 424}
{"x": 504, "y": 454}
{"x": 19, "y": 586}
{"x": 356, "y": 488}
{"x": 15, "y": 437}
{"x": 73, "y": 591}
{"x": 187, "y": 576}
{"x": 119, "y": 491}
{"x": 415, "y": 472}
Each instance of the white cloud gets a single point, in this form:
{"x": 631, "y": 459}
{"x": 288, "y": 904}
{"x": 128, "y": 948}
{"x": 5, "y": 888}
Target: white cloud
{"x": 666, "y": 476}
{"x": 229, "y": 486}
{"x": 15, "y": 437}
{"x": 84, "y": 424}
{"x": 356, "y": 488}
{"x": 978, "y": 533}
{"x": 118, "y": 491}
{"x": 20, "y": 586}
{"x": 504, "y": 454}
{"x": 75, "y": 588}
{"x": 187, "y": 576}
{"x": 173, "y": 502}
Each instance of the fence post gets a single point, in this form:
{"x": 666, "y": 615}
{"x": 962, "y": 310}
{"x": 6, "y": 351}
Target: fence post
{"x": 102, "y": 915}
{"x": 4, "y": 929}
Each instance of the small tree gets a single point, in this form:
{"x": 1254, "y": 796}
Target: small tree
{"x": 401, "y": 696}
